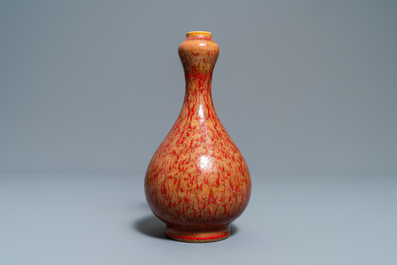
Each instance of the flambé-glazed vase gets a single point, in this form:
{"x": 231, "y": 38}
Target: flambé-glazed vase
{"x": 197, "y": 182}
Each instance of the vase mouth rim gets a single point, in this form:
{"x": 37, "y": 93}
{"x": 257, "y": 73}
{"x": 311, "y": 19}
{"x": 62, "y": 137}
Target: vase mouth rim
{"x": 199, "y": 35}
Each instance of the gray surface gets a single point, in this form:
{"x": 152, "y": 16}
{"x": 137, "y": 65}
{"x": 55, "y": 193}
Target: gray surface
{"x": 104, "y": 219}
{"x": 301, "y": 86}
{"x": 89, "y": 89}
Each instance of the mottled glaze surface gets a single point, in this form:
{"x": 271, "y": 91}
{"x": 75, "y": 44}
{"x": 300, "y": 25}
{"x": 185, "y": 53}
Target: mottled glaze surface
{"x": 197, "y": 181}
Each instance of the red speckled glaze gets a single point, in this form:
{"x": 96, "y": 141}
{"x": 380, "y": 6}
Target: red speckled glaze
{"x": 197, "y": 181}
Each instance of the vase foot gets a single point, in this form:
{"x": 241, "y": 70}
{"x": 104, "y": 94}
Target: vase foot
{"x": 195, "y": 235}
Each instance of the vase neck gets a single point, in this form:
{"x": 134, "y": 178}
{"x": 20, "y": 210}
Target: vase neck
{"x": 198, "y": 54}
{"x": 198, "y": 82}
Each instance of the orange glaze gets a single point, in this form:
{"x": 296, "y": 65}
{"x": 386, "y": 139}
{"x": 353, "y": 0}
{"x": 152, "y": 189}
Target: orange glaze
{"x": 197, "y": 182}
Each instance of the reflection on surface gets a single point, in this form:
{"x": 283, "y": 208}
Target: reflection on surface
{"x": 201, "y": 112}
{"x": 205, "y": 163}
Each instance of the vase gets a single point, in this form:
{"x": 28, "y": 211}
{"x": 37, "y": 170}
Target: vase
{"x": 197, "y": 182}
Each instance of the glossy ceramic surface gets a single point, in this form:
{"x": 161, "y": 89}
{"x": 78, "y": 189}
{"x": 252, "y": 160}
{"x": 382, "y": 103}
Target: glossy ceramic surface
{"x": 197, "y": 181}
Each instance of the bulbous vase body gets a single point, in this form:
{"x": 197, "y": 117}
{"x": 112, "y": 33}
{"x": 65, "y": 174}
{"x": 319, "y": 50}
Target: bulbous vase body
{"x": 197, "y": 182}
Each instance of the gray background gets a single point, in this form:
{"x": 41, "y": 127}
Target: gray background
{"x": 301, "y": 86}
{"x": 306, "y": 89}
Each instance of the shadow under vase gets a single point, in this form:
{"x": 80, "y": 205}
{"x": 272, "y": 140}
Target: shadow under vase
{"x": 151, "y": 226}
